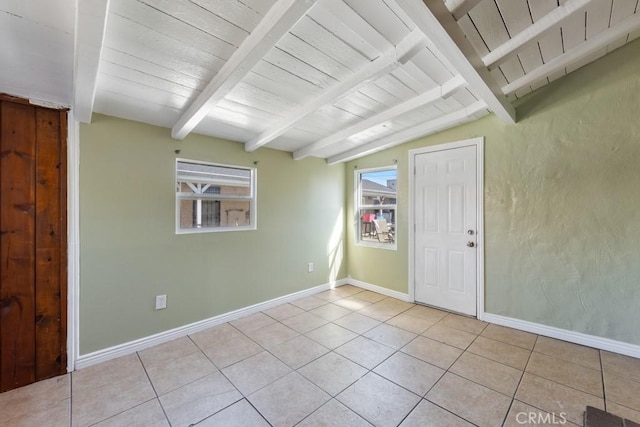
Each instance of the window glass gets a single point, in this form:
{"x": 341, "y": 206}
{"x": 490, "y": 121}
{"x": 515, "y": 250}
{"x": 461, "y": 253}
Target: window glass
{"x": 376, "y": 207}
{"x": 214, "y": 197}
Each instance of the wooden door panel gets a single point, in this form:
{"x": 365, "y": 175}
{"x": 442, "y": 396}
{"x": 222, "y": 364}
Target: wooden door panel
{"x": 33, "y": 258}
{"x": 49, "y": 235}
{"x": 17, "y": 225}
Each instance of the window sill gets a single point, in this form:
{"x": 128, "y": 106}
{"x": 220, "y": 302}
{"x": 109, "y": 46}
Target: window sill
{"x": 214, "y": 230}
{"x": 387, "y": 246}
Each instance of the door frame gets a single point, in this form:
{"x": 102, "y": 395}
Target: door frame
{"x": 479, "y": 144}
{"x": 73, "y": 240}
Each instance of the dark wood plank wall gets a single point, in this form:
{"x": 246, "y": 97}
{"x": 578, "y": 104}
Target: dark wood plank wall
{"x": 33, "y": 264}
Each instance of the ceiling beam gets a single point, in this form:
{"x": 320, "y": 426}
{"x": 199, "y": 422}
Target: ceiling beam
{"x": 410, "y": 134}
{"x": 91, "y": 24}
{"x": 282, "y": 16}
{"x": 437, "y": 23}
{"x": 533, "y": 33}
{"x": 401, "y": 54}
{"x": 459, "y": 8}
{"x": 584, "y": 49}
{"x": 428, "y": 97}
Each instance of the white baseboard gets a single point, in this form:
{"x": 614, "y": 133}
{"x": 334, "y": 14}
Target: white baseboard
{"x": 379, "y": 289}
{"x": 601, "y": 343}
{"x": 124, "y": 349}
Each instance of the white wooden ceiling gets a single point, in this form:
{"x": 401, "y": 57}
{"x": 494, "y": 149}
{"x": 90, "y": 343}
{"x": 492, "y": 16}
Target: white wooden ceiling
{"x": 335, "y": 79}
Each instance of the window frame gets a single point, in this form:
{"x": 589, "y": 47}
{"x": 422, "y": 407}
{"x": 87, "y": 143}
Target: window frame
{"x": 252, "y": 198}
{"x": 358, "y": 207}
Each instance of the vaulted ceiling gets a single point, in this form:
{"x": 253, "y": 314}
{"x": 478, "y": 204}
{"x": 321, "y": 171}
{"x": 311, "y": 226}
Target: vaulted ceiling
{"x": 336, "y": 79}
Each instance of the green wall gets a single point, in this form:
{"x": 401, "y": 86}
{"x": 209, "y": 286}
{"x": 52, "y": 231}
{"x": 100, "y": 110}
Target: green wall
{"x": 562, "y": 204}
{"x": 562, "y": 218}
{"x": 130, "y": 252}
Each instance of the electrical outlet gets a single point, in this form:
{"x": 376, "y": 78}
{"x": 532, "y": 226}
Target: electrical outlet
{"x": 310, "y": 267}
{"x": 161, "y": 302}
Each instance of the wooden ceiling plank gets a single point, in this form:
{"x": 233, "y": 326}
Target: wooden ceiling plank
{"x": 284, "y": 78}
{"x": 517, "y": 18}
{"x": 123, "y": 59}
{"x": 573, "y": 30}
{"x": 438, "y": 25}
{"x": 385, "y": 22}
{"x": 292, "y": 93}
{"x": 176, "y": 27}
{"x": 430, "y": 63}
{"x": 530, "y": 58}
{"x": 551, "y": 43}
{"x": 251, "y": 112}
{"x": 487, "y": 19}
{"x": 512, "y": 69}
{"x": 131, "y": 107}
{"x": 459, "y": 8}
{"x": 291, "y": 66}
{"x": 91, "y": 26}
{"x": 405, "y": 50}
{"x": 428, "y": 97}
{"x": 249, "y": 94}
{"x": 347, "y": 25}
{"x": 134, "y": 39}
{"x": 130, "y": 88}
{"x": 276, "y": 23}
{"x": 392, "y": 85}
{"x": 410, "y": 134}
{"x": 622, "y": 9}
{"x": 597, "y": 42}
{"x": 136, "y": 76}
{"x": 313, "y": 56}
{"x": 532, "y": 33}
{"x": 471, "y": 33}
{"x": 364, "y": 101}
{"x": 325, "y": 41}
{"x": 410, "y": 72}
{"x": 235, "y": 12}
{"x": 598, "y": 17}
{"x": 515, "y": 14}
{"x": 199, "y": 18}
{"x": 223, "y": 130}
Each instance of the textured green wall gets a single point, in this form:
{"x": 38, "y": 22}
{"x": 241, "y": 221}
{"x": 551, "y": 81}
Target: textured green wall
{"x": 562, "y": 204}
{"x": 130, "y": 252}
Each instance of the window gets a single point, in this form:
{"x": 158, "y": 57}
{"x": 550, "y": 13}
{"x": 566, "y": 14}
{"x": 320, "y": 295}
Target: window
{"x": 376, "y": 207}
{"x": 213, "y": 197}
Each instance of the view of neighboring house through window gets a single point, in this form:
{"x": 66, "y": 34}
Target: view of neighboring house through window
{"x": 376, "y": 206}
{"x": 212, "y": 197}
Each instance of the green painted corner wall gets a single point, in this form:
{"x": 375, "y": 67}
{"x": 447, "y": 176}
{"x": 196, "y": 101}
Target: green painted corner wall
{"x": 130, "y": 252}
{"x": 562, "y": 204}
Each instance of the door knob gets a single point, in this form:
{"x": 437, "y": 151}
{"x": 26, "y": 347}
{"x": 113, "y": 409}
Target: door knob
{"x": 470, "y": 232}
{"x": 471, "y": 244}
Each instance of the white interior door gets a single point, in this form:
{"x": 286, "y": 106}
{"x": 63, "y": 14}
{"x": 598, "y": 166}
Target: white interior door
{"x": 446, "y": 225}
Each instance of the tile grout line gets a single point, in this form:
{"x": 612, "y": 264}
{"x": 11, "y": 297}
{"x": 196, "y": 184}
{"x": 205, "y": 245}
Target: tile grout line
{"x": 513, "y": 399}
{"x": 153, "y": 387}
{"x": 604, "y": 389}
{"x": 243, "y": 397}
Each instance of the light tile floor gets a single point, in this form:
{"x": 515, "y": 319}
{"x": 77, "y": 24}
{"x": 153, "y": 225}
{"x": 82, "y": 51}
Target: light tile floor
{"x": 344, "y": 357}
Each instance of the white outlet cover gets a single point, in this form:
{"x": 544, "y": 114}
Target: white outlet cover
{"x": 310, "y": 267}
{"x": 161, "y": 302}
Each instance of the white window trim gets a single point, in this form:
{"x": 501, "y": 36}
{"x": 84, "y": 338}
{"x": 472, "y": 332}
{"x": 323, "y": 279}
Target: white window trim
{"x": 357, "y": 207}
{"x": 253, "y": 199}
